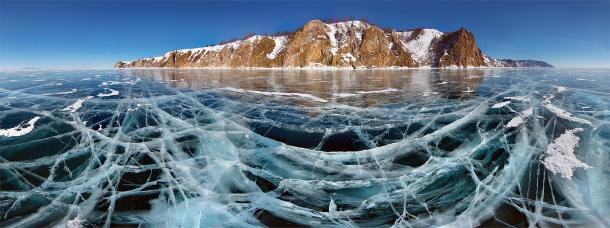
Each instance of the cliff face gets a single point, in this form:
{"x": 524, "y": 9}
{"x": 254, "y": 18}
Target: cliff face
{"x": 353, "y": 44}
{"x": 458, "y": 48}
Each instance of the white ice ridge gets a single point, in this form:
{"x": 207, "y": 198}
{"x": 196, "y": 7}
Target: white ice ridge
{"x": 379, "y": 91}
{"x": 547, "y": 103}
{"x": 62, "y": 93}
{"x": 565, "y": 114}
{"x": 388, "y": 90}
{"x": 501, "y": 104}
{"x": 280, "y": 44}
{"x": 518, "y": 120}
{"x": 77, "y": 104}
{"x": 20, "y": 129}
{"x": 518, "y": 98}
{"x": 112, "y": 93}
{"x": 560, "y": 156}
{"x": 302, "y": 95}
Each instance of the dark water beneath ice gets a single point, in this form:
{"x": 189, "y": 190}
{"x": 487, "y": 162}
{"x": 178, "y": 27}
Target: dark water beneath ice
{"x": 481, "y": 147}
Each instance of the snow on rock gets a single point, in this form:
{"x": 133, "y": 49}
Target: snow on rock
{"x": 342, "y": 30}
{"x": 348, "y": 57}
{"x": 334, "y": 47}
{"x": 20, "y": 129}
{"x": 280, "y": 44}
{"x": 420, "y": 46}
{"x": 560, "y": 156}
{"x": 501, "y": 104}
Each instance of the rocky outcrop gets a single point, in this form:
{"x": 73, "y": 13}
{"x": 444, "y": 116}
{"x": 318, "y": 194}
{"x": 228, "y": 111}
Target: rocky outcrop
{"x": 351, "y": 44}
{"x": 309, "y": 47}
{"x": 458, "y": 48}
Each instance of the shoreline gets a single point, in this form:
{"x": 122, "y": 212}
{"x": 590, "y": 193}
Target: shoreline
{"x": 326, "y": 68}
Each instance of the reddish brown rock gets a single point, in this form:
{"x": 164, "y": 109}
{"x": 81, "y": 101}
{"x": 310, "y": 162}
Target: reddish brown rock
{"x": 344, "y": 44}
{"x": 459, "y": 49}
{"x": 310, "y": 46}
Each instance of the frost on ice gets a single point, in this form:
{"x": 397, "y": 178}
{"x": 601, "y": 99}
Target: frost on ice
{"x": 245, "y": 148}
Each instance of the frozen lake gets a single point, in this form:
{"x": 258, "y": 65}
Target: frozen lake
{"x": 192, "y": 147}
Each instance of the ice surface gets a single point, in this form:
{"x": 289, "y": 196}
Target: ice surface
{"x": 257, "y": 148}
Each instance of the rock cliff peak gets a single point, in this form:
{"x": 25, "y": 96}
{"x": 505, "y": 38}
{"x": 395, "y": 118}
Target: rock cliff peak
{"x": 345, "y": 44}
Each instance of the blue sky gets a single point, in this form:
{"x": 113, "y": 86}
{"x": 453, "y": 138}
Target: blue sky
{"x": 95, "y": 34}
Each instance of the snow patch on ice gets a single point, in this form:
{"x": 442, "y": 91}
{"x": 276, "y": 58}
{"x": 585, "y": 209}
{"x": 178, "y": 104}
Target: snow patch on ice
{"x": 74, "y": 106}
{"x": 112, "y": 93}
{"x": 20, "y": 129}
{"x": 560, "y": 156}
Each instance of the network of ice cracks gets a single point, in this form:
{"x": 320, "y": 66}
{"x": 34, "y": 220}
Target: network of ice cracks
{"x": 111, "y": 148}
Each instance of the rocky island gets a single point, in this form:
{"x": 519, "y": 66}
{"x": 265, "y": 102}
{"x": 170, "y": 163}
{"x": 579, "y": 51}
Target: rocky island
{"x": 347, "y": 44}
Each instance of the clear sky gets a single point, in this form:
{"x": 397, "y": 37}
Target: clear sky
{"x": 95, "y": 34}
